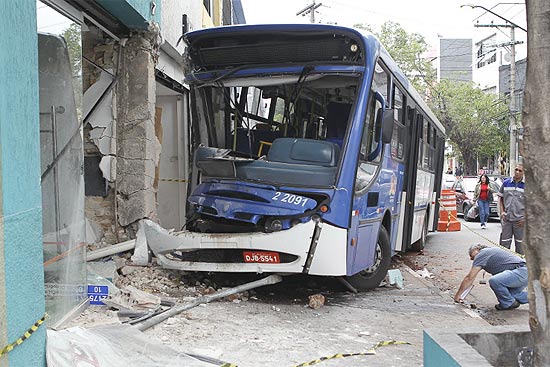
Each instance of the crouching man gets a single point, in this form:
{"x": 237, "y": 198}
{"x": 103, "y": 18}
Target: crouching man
{"x": 509, "y": 275}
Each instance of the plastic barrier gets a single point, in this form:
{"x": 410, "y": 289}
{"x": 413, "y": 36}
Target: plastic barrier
{"x": 447, "y": 212}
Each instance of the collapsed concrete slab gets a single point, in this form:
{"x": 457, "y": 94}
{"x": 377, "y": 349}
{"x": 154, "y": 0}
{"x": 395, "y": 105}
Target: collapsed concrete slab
{"x": 494, "y": 346}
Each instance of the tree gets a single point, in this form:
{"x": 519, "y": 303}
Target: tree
{"x": 73, "y": 38}
{"x": 407, "y": 50}
{"x": 536, "y": 120}
{"x": 475, "y": 121}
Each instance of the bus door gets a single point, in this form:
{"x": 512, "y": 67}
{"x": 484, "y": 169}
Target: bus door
{"x": 440, "y": 157}
{"x": 414, "y": 126}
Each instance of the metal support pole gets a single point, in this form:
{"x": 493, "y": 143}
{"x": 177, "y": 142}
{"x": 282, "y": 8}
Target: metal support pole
{"x": 513, "y": 126}
{"x": 272, "y": 279}
{"x": 57, "y": 206}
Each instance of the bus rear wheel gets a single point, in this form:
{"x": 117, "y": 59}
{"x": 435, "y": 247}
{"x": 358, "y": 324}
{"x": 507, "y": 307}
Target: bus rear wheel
{"x": 371, "y": 278}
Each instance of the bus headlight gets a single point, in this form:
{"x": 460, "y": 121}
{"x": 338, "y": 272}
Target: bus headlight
{"x": 273, "y": 225}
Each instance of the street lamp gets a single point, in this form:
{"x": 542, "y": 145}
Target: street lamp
{"x": 512, "y": 124}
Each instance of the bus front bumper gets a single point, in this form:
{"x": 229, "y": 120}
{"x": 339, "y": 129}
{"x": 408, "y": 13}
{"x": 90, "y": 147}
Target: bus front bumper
{"x": 193, "y": 251}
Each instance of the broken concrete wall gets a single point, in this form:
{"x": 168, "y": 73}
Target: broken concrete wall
{"x": 99, "y": 137}
{"x": 138, "y": 148}
{"x": 120, "y": 131}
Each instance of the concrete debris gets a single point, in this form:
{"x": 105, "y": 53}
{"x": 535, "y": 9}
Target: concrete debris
{"x": 142, "y": 255}
{"x": 128, "y": 269}
{"x": 110, "y": 250}
{"x": 269, "y": 280}
{"x": 107, "y": 269}
{"x": 171, "y": 283}
{"x": 395, "y": 278}
{"x": 167, "y": 283}
{"x": 316, "y": 301}
{"x": 424, "y": 273}
{"x": 131, "y": 298}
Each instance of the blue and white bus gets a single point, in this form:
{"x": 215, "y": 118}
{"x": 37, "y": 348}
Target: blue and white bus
{"x": 312, "y": 153}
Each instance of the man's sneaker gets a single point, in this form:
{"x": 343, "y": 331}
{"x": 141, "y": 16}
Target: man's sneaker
{"x": 483, "y": 226}
{"x": 514, "y": 305}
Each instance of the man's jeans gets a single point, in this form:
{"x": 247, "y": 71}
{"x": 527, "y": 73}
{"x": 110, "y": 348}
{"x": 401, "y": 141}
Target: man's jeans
{"x": 509, "y": 286}
{"x": 483, "y": 211}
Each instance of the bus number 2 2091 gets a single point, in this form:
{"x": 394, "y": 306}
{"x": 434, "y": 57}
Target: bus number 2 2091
{"x": 290, "y": 198}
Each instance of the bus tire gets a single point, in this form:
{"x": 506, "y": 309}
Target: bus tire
{"x": 419, "y": 245}
{"x": 371, "y": 278}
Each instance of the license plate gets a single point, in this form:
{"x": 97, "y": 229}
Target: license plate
{"x": 261, "y": 257}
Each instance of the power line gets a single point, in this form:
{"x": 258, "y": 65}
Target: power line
{"x": 310, "y": 9}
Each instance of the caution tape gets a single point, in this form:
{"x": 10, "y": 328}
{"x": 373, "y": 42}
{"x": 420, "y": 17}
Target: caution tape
{"x": 369, "y": 352}
{"x": 27, "y": 334}
{"x": 493, "y": 242}
{"x": 171, "y": 180}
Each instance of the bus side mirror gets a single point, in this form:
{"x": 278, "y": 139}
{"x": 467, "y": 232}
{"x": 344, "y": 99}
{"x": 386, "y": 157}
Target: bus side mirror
{"x": 387, "y": 126}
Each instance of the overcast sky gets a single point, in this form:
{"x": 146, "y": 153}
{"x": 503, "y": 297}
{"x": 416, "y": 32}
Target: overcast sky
{"x": 431, "y": 18}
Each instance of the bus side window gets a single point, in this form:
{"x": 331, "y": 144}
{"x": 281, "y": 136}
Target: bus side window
{"x": 399, "y": 136}
{"x": 380, "y": 81}
{"x": 420, "y": 123}
{"x": 369, "y": 143}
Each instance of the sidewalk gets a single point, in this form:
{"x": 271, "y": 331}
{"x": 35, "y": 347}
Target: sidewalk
{"x": 260, "y": 333}
{"x": 446, "y": 256}
{"x": 274, "y": 326}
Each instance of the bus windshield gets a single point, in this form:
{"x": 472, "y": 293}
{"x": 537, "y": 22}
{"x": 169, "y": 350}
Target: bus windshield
{"x": 279, "y": 129}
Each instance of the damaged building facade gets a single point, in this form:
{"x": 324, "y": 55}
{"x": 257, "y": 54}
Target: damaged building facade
{"x": 94, "y": 129}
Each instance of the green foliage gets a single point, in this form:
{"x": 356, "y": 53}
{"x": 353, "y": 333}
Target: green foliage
{"x": 73, "y": 38}
{"x": 476, "y": 122}
{"x": 407, "y": 50}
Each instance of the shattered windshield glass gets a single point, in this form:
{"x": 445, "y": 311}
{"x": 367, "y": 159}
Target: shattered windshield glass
{"x": 279, "y": 129}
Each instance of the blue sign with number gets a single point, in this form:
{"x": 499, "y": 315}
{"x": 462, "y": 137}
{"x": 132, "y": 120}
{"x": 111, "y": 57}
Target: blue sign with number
{"x": 97, "y": 293}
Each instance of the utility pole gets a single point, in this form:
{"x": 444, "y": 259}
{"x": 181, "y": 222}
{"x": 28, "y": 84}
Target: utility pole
{"x": 512, "y": 115}
{"x": 513, "y": 123}
{"x": 311, "y": 10}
